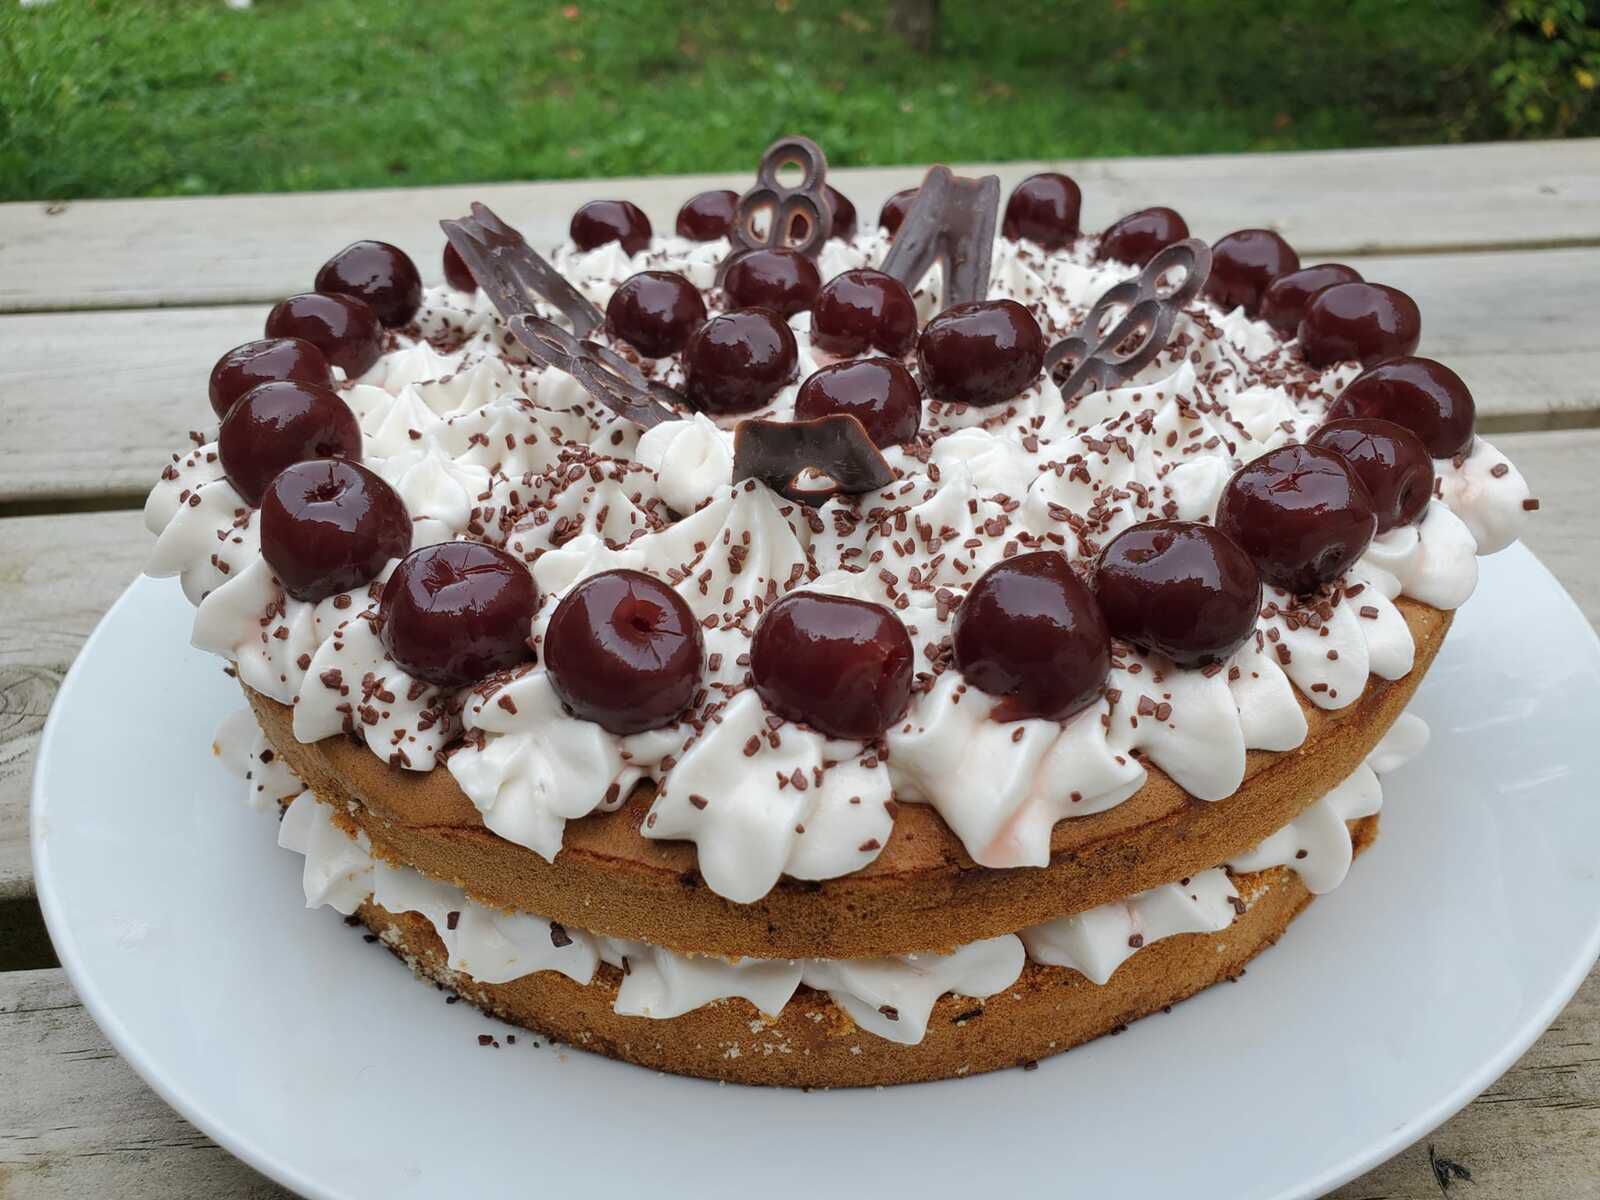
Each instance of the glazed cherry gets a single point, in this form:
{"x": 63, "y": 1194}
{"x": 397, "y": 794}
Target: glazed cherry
{"x": 842, "y": 666}
{"x": 329, "y": 526}
{"x": 980, "y": 353}
{"x": 1030, "y": 633}
{"x": 739, "y": 360}
{"x": 1179, "y": 588}
{"x": 345, "y": 329}
{"x": 707, "y": 216}
{"x": 844, "y": 212}
{"x": 1425, "y": 396}
{"x": 380, "y": 274}
{"x": 1140, "y": 236}
{"x": 863, "y": 310}
{"x": 1242, "y": 265}
{"x": 278, "y": 424}
{"x": 655, "y": 312}
{"x": 1044, "y": 209}
{"x": 1301, "y": 515}
{"x": 454, "y": 612}
{"x": 1391, "y": 462}
{"x": 253, "y": 363}
{"x": 1368, "y": 322}
{"x": 602, "y": 221}
{"x": 624, "y": 651}
{"x": 456, "y": 272}
{"x": 893, "y": 213}
{"x": 785, "y": 281}
{"x": 878, "y": 392}
{"x": 1284, "y": 301}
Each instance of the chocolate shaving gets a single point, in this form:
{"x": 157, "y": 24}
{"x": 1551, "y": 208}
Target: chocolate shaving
{"x": 512, "y": 274}
{"x": 778, "y": 453}
{"x": 1151, "y": 313}
{"x": 600, "y": 371}
{"x": 951, "y": 222}
{"x": 797, "y": 218}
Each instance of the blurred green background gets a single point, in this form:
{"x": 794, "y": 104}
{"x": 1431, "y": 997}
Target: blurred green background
{"x": 174, "y": 97}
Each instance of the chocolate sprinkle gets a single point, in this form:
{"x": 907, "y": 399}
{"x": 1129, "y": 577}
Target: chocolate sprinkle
{"x": 778, "y": 453}
{"x": 512, "y": 274}
{"x": 798, "y": 218}
{"x": 600, "y": 371}
{"x": 950, "y": 223}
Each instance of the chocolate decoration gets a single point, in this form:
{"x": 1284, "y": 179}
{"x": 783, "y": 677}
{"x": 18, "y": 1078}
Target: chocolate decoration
{"x": 798, "y": 218}
{"x": 599, "y": 370}
{"x": 512, "y": 274}
{"x": 777, "y": 452}
{"x": 1150, "y": 311}
{"x": 951, "y": 222}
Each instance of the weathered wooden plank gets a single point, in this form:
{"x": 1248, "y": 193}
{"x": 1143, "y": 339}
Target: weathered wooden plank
{"x": 226, "y": 250}
{"x": 98, "y": 400}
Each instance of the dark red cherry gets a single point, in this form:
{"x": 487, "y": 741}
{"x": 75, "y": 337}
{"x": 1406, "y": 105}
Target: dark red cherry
{"x": 878, "y": 392}
{"x": 456, "y": 272}
{"x": 380, "y": 274}
{"x": 278, "y": 424}
{"x": 1179, "y": 588}
{"x": 707, "y": 216}
{"x": 623, "y": 650}
{"x": 1424, "y": 396}
{"x": 457, "y": 611}
{"x": 863, "y": 310}
{"x": 330, "y": 525}
{"x": 785, "y": 281}
{"x": 1391, "y": 462}
{"x": 840, "y": 665}
{"x": 1366, "y": 322}
{"x": 1030, "y": 633}
{"x": 1140, "y": 236}
{"x": 739, "y": 360}
{"x": 655, "y": 312}
{"x": 243, "y": 367}
{"x": 1284, "y": 301}
{"x": 844, "y": 212}
{"x": 980, "y": 353}
{"x": 1242, "y": 265}
{"x": 895, "y": 208}
{"x": 1044, "y": 209}
{"x": 602, "y": 221}
{"x": 345, "y": 329}
{"x": 1301, "y": 515}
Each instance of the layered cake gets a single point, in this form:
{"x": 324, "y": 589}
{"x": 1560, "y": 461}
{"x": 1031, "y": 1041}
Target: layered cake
{"x": 793, "y": 653}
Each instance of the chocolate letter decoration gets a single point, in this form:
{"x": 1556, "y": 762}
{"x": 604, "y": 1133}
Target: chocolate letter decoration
{"x": 950, "y": 222}
{"x": 512, "y": 274}
{"x": 778, "y": 453}
{"x": 797, "y": 218}
{"x": 604, "y": 374}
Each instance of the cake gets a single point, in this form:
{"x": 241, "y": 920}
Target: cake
{"x": 789, "y": 653}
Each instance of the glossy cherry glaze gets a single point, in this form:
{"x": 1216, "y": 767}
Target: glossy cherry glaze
{"x": 278, "y": 424}
{"x": 707, "y": 216}
{"x": 1300, "y": 513}
{"x": 1030, "y": 633}
{"x": 624, "y": 651}
{"x": 602, "y": 221}
{"x": 454, "y": 612}
{"x": 345, "y": 329}
{"x": 980, "y": 353}
{"x": 844, "y": 212}
{"x": 378, "y": 274}
{"x": 1391, "y": 462}
{"x": 1364, "y": 322}
{"x": 739, "y": 360}
{"x": 1242, "y": 265}
{"x": 842, "y": 666}
{"x": 1284, "y": 301}
{"x": 655, "y": 312}
{"x": 863, "y": 310}
{"x": 1178, "y": 588}
{"x": 878, "y": 392}
{"x": 456, "y": 272}
{"x": 329, "y": 526}
{"x": 1421, "y": 394}
{"x": 1044, "y": 209}
{"x": 893, "y": 213}
{"x": 785, "y": 281}
{"x": 1140, "y": 236}
{"x": 255, "y": 363}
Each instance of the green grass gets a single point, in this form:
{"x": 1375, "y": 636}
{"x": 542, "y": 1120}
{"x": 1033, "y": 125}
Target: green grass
{"x": 174, "y": 97}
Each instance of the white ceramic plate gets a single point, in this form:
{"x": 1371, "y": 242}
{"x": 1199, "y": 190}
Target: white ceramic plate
{"x": 320, "y": 1061}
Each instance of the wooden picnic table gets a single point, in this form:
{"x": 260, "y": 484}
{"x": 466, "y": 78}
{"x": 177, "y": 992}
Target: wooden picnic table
{"x": 112, "y": 312}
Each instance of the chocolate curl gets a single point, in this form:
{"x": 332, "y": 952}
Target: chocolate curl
{"x": 951, "y": 222}
{"x": 603, "y": 373}
{"x": 779, "y": 452}
{"x": 1150, "y": 311}
{"x": 512, "y": 274}
{"x": 798, "y": 218}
